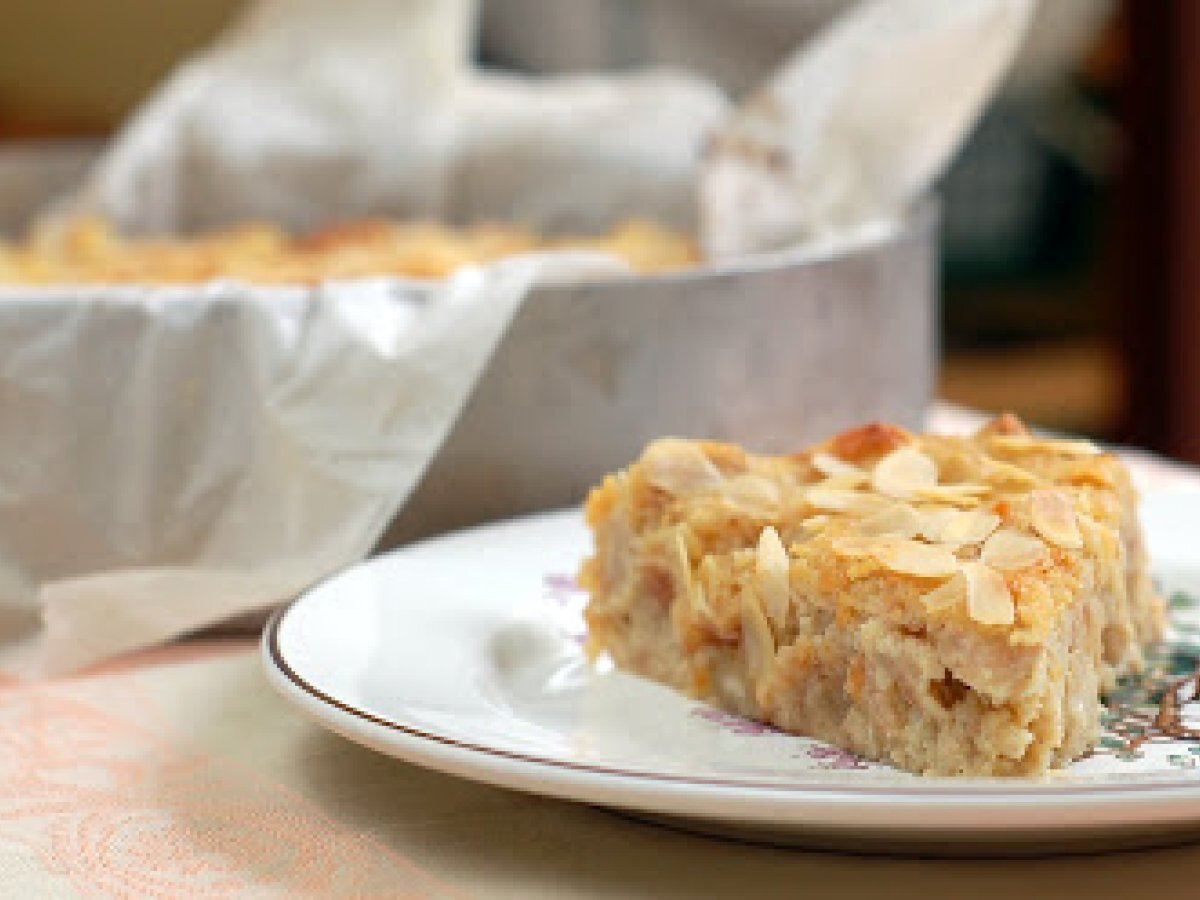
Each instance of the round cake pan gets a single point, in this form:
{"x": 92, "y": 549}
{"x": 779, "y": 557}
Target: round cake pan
{"x": 772, "y": 354}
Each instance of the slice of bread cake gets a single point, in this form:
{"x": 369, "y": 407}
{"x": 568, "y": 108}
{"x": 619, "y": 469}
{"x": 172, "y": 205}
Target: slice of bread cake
{"x": 951, "y": 605}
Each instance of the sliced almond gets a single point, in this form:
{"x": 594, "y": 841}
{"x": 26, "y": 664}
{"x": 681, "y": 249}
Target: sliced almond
{"x": 1110, "y": 551}
{"x": 945, "y": 596}
{"x": 846, "y": 481}
{"x": 1097, "y": 533}
{"x": 896, "y": 520}
{"x": 915, "y": 558}
{"x": 964, "y": 495}
{"x": 758, "y": 642}
{"x": 683, "y": 560}
{"x": 771, "y": 576}
{"x": 1010, "y": 549}
{"x": 832, "y": 466}
{"x": 753, "y": 493}
{"x": 934, "y": 520}
{"x": 1076, "y": 448}
{"x": 1053, "y": 517}
{"x": 698, "y": 600}
{"x": 842, "y": 500}
{"x": 679, "y": 467}
{"x": 1015, "y": 441}
{"x": 970, "y": 527}
{"x": 708, "y": 581}
{"x": 1062, "y": 447}
{"x": 1004, "y": 474}
{"x": 969, "y": 489}
{"x": 816, "y": 523}
{"x": 691, "y": 587}
{"x": 989, "y": 601}
{"x": 903, "y": 472}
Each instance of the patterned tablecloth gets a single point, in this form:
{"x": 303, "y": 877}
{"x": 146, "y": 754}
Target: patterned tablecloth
{"x": 179, "y": 773}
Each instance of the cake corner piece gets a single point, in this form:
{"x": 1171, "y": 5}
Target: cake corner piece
{"x": 949, "y": 605}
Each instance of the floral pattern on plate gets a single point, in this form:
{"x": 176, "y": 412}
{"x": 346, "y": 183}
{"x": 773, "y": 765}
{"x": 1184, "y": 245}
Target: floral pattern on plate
{"x": 1152, "y": 719}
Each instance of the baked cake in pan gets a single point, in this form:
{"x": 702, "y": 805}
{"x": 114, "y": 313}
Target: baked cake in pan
{"x": 951, "y": 605}
{"x": 90, "y": 251}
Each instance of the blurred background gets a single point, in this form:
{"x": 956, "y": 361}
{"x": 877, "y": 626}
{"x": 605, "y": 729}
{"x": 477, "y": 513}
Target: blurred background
{"x": 1070, "y": 290}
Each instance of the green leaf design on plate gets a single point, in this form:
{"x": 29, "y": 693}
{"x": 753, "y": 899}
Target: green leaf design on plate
{"x": 1182, "y": 600}
{"x": 1131, "y": 717}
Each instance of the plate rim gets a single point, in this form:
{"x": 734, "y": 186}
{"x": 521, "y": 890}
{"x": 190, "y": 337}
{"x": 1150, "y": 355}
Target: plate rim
{"x": 638, "y": 789}
{"x": 941, "y": 787}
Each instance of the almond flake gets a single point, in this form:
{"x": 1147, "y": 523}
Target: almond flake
{"x": 679, "y": 467}
{"x": 691, "y": 589}
{"x": 841, "y": 500}
{"x": 1000, "y": 473}
{"x": 1076, "y": 448}
{"x": 845, "y": 482}
{"x": 945, "y": 596}
{"x": 970, "y": 527}
{"x": 707, "y": 577}
{"x": 758, "y": 643}
{"x": 989, "y": 601}
{"x": 934, "y": 520}
{"x": 830, "y": 465}
{"x": 698, "y": 600}
{"x": 1099, "y": 533}
{"x": 1109, "y": 549}
{"x": 1016, "y": 441}
{"x": 898, "y": 520}
{"x": 753, "y": 493}
{"x": 1009, "y": 549}
{"x": 816, "y": 523}
{"x": 683, "y": 560}
{"x": 965, "y": 495}
{"x": 915, "y": 558}
{"x": 771, "y": 576}
{"x": 1054, "y": 518}
{"x": 1062, "y": 447}
{"x": 970, "y": 489}
{"x": 903, "y": 472}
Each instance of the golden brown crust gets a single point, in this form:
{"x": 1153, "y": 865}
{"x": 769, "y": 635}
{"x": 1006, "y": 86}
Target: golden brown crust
{"x": 90, "y": 251}
{"x": 868, "y": 442}
{"x": 1005, "y": 424}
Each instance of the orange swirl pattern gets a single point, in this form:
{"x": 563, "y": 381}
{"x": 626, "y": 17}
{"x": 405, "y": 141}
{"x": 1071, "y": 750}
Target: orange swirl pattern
{"x": 95, "y": 787}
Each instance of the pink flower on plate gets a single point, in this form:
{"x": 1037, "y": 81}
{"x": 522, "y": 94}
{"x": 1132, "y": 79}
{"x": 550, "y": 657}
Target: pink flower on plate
{"x": 562, "y": 589}
{"x": 565, "y": 593}
{"x": 828, "y": 757}
{"x": 734, "y": 724}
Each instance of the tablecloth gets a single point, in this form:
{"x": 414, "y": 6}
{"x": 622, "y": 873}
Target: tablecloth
{"x": 179, "y": 773}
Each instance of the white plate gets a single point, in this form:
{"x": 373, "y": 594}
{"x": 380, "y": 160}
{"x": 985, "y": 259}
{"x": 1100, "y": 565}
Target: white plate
{"x": 462, "y": 654}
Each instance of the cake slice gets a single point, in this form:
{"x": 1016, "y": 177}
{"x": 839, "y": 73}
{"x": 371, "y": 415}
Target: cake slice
{"x": 951, "y": 605}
